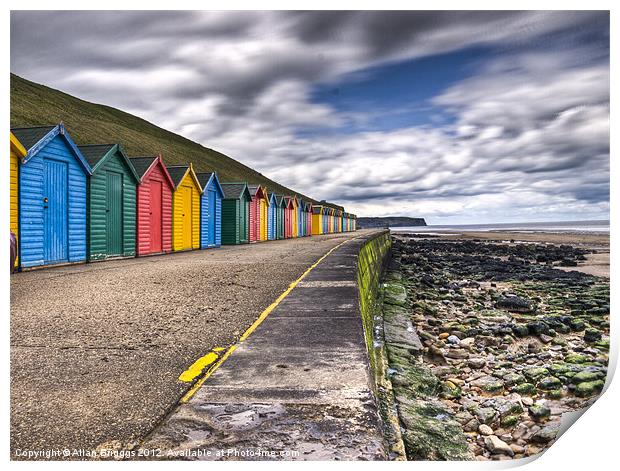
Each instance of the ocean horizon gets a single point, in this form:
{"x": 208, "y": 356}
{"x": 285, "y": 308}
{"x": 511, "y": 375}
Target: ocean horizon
{"x": 590, "y": 226}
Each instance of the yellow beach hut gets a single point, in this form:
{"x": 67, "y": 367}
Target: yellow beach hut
{"x": 317, "y": 219}
{"x": 295, "y": 217}
{"x": 263, "y": 208}
{"x": 185, "y": 207}
{"x": 18, "y": 152}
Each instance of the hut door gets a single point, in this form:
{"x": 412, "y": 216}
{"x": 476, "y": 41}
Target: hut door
{"x": 114, "y": 213}
{"x": 211, "y": 221}
{"x": 55, "y": 221}
{"x": 156, "y": 228}
{"x": 187, "y": 217}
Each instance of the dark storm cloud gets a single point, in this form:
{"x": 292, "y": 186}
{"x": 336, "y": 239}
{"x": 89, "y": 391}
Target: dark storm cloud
{"x": 530, "y": 126}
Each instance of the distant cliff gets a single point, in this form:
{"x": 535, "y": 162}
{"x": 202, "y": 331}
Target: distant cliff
{"x": 390, "y": 222}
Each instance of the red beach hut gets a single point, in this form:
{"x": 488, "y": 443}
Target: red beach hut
{"x": 256, "y": 217}
{"x": 154, "y": 206}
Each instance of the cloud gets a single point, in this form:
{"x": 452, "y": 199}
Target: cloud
{"x": 529, "y": 133}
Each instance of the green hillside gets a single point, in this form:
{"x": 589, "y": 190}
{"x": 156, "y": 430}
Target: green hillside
{"x": 90, "y": 123}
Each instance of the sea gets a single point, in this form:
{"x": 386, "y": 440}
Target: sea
{"x": 574, "y": 227}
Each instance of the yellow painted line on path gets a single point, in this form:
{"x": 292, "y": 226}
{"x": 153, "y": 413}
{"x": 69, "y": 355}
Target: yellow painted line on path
{"x": 193, "y": 371}
{"x": 188, "y": 395}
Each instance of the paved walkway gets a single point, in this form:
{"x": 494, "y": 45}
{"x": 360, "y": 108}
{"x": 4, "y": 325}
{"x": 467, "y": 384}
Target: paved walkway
{"x": 297, "y": 388}
{"x": 97, "y": 349}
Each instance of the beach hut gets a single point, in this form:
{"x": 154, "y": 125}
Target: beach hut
{"x": 253, "y": 220}
{"x": 325, "y": 220}
{"x": 301, "y": 204}
{"x": 295, "y": 217}
{"x": 153, "y": 206}
{"x": 18, "y": 153}
{"x": 264, "y": 215}
{"x": 338, "y": 221}
{"x": 272, "y": 220}
{"x": 317, "y": 219}
{"x": 235, "y": 213}
{"x": 51, "y": 198}
{"x": 111, "y": 202}
{"x": 288, "y": 217}
{"x": 345, "y": 222}
{"x": 258, "y": 213}
{"x": 185, "y": 207}
{"x": 308, "y": 216}
{"x": 210, "y": 210}
{"x": 280, "y": 223}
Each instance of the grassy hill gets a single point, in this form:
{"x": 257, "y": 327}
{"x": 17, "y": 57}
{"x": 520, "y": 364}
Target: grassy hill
{"x": 90, "y": 123}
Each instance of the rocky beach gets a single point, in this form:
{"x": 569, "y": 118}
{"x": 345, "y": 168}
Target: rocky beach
{"x": 491, "y": 337}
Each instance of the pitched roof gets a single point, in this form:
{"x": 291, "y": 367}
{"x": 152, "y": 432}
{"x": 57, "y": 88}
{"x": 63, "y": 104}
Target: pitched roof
{"x": 142, "y": 164}
{"x": 94, "y": 153}
{"x": 177, "y": 172}
{"x": 30, "y": 136}
{"x": 204, "y": 178}
{"x": 35, "y": 138}
{"x": 288, "y": 201}
{"x": 233, "y": 190}
{"x": 255, "y": 189}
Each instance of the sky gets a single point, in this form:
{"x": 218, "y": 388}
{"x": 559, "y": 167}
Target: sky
{"x": 457, "y": 117}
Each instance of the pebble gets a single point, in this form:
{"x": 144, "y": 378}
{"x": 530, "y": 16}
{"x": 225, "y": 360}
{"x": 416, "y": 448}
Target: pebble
{"x": 476, "y": 363}
{"x": 497, "y": 446}
{"x": 484, "y": 429}
{"x": 539, "y": 411}
{"x": 456, "y": 354}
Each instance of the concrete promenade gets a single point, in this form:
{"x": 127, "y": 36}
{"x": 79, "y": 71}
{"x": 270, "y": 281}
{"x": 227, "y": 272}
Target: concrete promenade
{"x": 297, "y": 388}
{"x": 97, "y": 349}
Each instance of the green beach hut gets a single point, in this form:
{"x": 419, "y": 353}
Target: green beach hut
{"x": 110, "y": 202}
{"x": 235, "y": 213}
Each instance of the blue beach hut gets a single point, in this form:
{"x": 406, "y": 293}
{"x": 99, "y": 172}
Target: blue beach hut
{"x": 52, "y": 197}
{"x": 272, "y": 217}
{"x": 210, "y": 210}
{"x": 301, "y": 217}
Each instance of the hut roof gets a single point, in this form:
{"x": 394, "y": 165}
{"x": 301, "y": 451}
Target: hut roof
{"x": 30, "y": 136}
{"x": 36, "y": 137}
{"x": 142, "y": 164}
{"x": 206, "y": 178}
{"x": 178, "y": 172}
{"x": 235, "y": 190}
{"x": 258, "y": 191}
{"x": 96, "y": 154}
